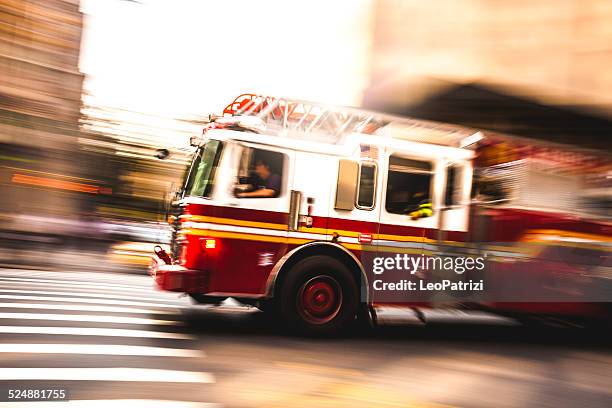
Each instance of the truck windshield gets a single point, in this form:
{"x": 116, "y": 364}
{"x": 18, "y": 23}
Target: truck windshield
{"x": 202, "y": 174}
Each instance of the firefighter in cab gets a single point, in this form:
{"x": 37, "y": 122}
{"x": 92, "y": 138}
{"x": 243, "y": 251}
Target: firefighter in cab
{"x": 423, "y": 209}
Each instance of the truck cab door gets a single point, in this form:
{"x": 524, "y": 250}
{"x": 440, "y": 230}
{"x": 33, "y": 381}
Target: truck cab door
{"x": 407, "y": 182}
{"x": 449, "y": 238}
{"x": 408, "y": 185}
{"x": 255, "y": 232}
{"x": 455, "y": 201}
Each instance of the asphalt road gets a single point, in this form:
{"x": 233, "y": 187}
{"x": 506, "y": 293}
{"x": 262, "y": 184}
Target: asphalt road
{"x": 106, "y": 336}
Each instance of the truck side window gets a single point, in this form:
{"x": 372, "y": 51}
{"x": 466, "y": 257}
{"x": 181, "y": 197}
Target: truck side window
{"x": 408, "y": 185}
{"x": 453, "y": 186}
{"x": 260, "y": 174}
{"x": 366, "y": 191}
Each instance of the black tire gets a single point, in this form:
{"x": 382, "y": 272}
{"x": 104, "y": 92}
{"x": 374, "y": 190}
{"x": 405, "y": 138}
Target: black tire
{"x": 268, "y": 306}
{"x": 319, "y": 296}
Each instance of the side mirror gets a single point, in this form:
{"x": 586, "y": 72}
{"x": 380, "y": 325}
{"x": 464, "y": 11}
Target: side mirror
{"x": 162, "y": 154}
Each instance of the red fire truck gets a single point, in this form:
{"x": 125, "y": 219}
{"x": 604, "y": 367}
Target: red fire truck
{"x": 283, "y": 199}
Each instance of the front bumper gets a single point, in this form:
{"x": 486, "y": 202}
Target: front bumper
{"x": 177, "y": 278}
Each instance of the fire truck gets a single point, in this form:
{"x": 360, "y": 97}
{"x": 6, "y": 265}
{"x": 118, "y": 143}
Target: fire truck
{"x": 284, "y": 198}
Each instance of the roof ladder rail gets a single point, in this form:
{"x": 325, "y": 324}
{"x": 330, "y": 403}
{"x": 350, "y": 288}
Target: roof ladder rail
{"x": 300, "y": 116}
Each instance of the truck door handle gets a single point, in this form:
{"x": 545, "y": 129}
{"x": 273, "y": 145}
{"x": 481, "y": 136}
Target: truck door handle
{"x": 295, "y": 202}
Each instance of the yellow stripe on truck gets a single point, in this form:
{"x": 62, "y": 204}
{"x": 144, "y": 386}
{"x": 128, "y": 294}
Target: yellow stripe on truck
{"x": 232, "y": 221}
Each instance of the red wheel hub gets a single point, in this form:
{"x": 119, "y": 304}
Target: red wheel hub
{"x": 319, "y": 299}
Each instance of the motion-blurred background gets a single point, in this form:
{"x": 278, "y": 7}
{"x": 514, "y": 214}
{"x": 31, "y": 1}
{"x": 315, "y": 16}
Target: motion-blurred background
{"x": 89, "y": 89}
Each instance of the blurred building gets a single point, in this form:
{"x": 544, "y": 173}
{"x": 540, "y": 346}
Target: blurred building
{"x": 40, "y": 46}
{"x": 483, "y": 106}
{"x": 537, "y": 69}
{"x": 40, "y": 100}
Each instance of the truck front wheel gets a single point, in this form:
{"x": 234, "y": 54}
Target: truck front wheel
{"x": 318, "y": 296}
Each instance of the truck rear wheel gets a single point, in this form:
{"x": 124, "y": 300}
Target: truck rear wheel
{"x": 318, "y": 296}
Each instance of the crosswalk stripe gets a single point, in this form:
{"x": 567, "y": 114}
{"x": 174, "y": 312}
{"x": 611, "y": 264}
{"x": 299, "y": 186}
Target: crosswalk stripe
{"x": 149, "y": 290}
{"x": 98, "y": 349}
{"x": 87, "y": 318}
{"x": 146, "y": 284}
{"x": 143, "y": 283}
{"x": 92, "y": 295}
{"x": 105, "y": 374}
{"x": 76, "y": 300}
{"x": 93, "y": 331}
{"x": 83, "y": 308}
{"x": 152, "y": 293}
{"x": 111, "y": 277}
{"x": 73, "y": 283}
{"x": 89, "y": 300}
{"x": 132, "y": 403}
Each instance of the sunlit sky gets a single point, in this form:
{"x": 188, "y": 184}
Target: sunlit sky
{"x": 191, "y": 57}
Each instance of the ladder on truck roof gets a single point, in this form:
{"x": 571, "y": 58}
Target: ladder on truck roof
{"x": 328, "y": 123}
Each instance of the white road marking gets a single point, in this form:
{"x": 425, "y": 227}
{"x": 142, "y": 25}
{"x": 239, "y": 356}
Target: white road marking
{"x": 110, "y": 277}
{"x": 105, "y": 374}
{"x": 73, "y": 283}
{"x": 149, "y": 290}
{"x": 82, "y": 308}
{"x": 89, "y": 300}
{"x": 101, "y": 349}
{"x": 86, "y": 318}
{"x": 92, "y": 295}
{"x": 132, "y": 403}
{"x": 93, "y": 331}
